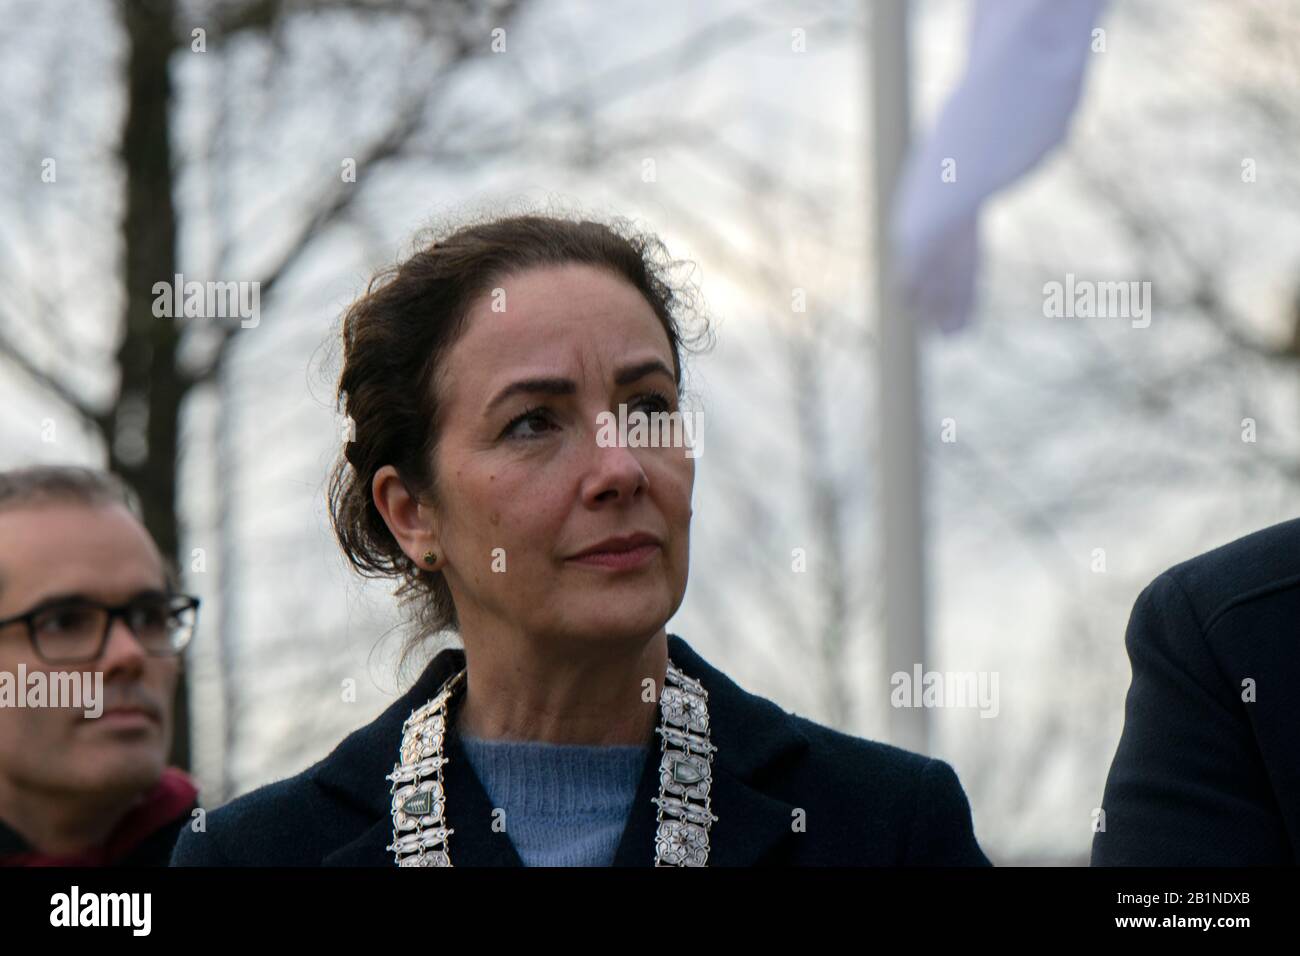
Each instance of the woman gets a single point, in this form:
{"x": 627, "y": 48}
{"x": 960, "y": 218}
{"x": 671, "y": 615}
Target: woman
{"x": 571, "y": 729}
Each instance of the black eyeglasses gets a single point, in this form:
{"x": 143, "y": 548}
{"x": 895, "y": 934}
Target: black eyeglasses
{"x": 76, "y": 630}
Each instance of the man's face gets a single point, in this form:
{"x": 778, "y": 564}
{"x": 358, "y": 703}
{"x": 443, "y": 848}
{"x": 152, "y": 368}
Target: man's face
{"x": 100, "y": 553}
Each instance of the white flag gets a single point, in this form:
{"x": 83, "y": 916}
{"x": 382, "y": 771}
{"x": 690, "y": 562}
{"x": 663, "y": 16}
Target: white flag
{"x": 1013, "y": 105}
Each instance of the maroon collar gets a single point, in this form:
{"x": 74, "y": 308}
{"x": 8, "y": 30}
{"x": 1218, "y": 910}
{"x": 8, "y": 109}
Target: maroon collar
{"x": 170, "y": 798}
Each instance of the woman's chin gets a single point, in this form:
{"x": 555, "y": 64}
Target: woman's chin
{"x": 632, "y": 621}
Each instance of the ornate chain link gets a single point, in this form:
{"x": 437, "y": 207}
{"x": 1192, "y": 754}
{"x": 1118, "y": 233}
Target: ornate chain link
{"x": 420, "y": 831}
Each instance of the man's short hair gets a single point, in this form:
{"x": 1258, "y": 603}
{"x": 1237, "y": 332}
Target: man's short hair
{"x": 65, "y": 484}
{"x": 71, "y": 484}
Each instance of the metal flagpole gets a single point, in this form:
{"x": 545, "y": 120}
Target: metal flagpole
{"x": 901, "y": 492}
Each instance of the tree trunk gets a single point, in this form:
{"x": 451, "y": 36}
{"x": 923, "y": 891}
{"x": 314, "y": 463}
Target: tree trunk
{"x": 141, "y": 429}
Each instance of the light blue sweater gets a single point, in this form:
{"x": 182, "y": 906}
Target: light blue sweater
{"x": 565, "y": 804}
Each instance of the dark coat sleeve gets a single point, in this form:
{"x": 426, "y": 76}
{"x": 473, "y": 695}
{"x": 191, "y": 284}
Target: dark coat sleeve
{"x": 942, "y": 832}
{"x": 1187, "y": 786}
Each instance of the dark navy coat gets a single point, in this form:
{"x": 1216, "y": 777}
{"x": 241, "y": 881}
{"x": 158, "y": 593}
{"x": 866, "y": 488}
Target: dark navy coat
{"x": 1204, "y": 776}
{"x": 864, "y": 803}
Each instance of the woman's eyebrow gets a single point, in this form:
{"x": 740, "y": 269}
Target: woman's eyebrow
{"x": 631, "y": 373}
{"x": 546, "y": 386}
{"x": 565, "y": 386}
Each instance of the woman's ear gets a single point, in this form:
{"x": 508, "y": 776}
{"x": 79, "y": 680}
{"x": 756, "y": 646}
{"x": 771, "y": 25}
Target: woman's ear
{"x": 413, "y": 524}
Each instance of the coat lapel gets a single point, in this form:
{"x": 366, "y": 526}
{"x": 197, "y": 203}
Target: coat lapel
{"x": 472, "y": 842}
{"x": 751, "y": 734}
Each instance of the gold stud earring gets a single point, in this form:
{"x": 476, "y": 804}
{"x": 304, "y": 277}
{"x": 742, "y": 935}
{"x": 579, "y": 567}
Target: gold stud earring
{"x": 430, "y": 557}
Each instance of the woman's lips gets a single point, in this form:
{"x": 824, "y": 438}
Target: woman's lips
{"x": 619, "y": 560}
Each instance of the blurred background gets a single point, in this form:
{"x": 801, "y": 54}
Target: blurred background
{"x": 1066, "y": 461}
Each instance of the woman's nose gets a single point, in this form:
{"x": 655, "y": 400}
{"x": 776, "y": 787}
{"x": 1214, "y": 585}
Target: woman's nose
{"x": 615, "y": 473}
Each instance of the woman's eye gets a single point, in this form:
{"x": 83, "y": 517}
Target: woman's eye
{"x": 530, "y": 417}
{"x": 657, "y": 402}
{"x": 535, "y": 422}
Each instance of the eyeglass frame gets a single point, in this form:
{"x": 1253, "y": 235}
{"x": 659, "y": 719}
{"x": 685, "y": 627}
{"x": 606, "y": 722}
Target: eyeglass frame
{"x": 28, "y": 618}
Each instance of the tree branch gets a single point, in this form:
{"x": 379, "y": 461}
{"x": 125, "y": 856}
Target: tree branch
{"x": 51, "y": 384}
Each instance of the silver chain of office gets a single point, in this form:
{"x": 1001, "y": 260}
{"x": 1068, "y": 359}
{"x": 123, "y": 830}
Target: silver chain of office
{"x": 420, "y": 831}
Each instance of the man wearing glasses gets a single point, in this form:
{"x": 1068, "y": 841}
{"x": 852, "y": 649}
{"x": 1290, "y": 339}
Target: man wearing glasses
{"x": 84, "y": 590}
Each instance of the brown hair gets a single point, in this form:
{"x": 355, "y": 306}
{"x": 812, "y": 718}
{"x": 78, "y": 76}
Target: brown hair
{"x": 396, "y": 335}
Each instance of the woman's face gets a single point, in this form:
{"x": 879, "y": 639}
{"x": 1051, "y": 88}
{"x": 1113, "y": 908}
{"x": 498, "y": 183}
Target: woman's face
{"x": 523, "y": 484}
